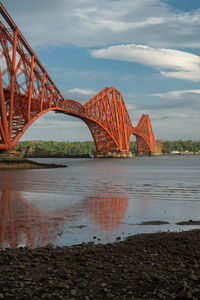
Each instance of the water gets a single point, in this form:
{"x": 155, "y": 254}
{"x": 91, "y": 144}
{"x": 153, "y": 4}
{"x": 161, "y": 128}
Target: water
{"x": 97, "y": 199}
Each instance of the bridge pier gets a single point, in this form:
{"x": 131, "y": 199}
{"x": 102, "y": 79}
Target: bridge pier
{"x": 157, "y": 148}
{"x": 114, "y": 155}
{"x": 11, "y": 155}
{"x": 143, "y": 149}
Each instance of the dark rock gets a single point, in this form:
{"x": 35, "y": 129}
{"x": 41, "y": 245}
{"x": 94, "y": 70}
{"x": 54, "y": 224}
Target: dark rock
{"x": 148, "y": 266}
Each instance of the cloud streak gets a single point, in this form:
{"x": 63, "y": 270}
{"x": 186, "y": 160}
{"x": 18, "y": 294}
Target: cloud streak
{"x": 185, "y": 65}
{"x": 97, "y": 23}
{"x": 87, "y": 92}
{"x": 178, "y": 94}
{"x": 78, "y": 94}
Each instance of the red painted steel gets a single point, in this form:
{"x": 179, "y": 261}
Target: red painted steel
{"x": 27, "y": 91}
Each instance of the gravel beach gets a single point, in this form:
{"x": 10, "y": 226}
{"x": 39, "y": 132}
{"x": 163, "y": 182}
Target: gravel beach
{"x": 146, "y": 266}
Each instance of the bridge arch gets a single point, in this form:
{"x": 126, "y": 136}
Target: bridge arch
{"x": 103, "y": 140}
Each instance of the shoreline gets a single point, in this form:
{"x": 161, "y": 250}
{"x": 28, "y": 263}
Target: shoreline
{"x": 145, "y": 266}
{"x": 59, "y": 156}
{"x": 15, "y": 160}
{"x": 26, "y": 164}
{"x": 88, "y": 156}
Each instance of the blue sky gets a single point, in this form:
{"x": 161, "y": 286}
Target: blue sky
{"x": 147, "y": 49}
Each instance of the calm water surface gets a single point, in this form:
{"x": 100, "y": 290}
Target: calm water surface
{"x": 97, "y": 199}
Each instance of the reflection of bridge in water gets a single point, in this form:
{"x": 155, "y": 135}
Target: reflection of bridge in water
{"x": 22, "y": 223}
{"x": 27, "y": 92}
{"x": 108, "y": 212}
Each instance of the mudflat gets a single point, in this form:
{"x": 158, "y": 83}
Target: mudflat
{"x": 27, "y": 164}
{"x": 146, "y": 266}
{"x": 15, "y": 160}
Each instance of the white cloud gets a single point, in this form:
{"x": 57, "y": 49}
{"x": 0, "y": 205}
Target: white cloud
{"x": 93, "y": 22}
{"x": 176, "y": 94}
{"x": 185, "y": 75}
{"x": 186, "y": 65}
{"x": 87, "y": 92}
{"x": 78, "y": 94}
{"x": 130, "y": 106}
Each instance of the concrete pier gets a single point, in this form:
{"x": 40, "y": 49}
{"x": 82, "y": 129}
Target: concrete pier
{"x": 113, "y": 155}
{"x": 157, "y": 148}
{"x": 11, "y": 155}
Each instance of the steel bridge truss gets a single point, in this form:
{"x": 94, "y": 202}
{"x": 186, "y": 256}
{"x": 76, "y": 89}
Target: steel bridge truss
{"x": 27, "y": 92}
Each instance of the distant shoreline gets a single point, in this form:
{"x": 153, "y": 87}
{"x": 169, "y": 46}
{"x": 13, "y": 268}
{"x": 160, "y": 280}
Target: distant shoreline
{"x": 26, "y": 163}
{"x": 174, "y": 154}
{"x": 58, "y": 156}
{"x": 39, "y": 149}
{"x": 89, "y": 156}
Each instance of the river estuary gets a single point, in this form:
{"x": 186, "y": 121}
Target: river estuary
{"x": 97, "y": 200}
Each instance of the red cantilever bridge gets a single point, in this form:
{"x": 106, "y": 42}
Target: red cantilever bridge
{"x": 27, "y": 92}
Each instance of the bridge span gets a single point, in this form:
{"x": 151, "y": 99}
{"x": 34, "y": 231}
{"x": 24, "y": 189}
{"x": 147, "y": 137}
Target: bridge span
{"x": 27, "y": 92}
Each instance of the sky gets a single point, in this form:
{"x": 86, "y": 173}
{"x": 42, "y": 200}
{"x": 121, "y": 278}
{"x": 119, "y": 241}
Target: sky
{"x": 148, "y": 49}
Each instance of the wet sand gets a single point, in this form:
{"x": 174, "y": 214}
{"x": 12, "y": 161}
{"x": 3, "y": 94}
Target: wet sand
{"x": 146, "y": 266}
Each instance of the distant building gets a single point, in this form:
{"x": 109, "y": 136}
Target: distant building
{"x": 175, "y": 152}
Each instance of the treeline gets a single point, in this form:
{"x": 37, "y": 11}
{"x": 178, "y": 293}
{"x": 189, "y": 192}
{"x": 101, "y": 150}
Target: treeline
{"x": 68, "y": 148}
{"x": 181, "y": 146}
{"x": 88, "y": 147}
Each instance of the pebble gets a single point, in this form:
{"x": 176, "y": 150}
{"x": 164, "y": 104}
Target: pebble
{"x": 73, "y": 292}
{"x": 126, "y": 269}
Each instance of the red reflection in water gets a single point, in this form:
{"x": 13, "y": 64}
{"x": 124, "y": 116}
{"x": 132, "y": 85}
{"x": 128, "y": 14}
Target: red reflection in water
{"x": 146, "y": 203}
{"x": 108, "y": 212}
{"x": 22, "y": 223}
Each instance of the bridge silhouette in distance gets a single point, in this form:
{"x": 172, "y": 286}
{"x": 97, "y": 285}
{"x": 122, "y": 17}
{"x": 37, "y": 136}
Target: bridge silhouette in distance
{"x": 27, "y": 92}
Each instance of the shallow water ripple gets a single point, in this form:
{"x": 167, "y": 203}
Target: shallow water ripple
{"x": 97, "y": 200}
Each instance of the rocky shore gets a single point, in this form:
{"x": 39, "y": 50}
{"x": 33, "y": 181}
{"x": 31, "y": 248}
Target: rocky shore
{"x": 27, "y": 164}
{"x": 16, "y": 160}
{"x": 147, "y": 266}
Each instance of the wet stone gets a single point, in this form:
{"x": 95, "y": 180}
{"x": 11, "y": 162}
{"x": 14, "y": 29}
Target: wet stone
{"x": 148, "y": 266}
{"x": 74, "y": 292}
